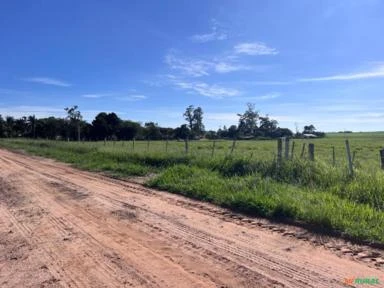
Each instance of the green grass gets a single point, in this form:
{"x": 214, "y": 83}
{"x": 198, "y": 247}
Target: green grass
{"x": 317, "y": 193}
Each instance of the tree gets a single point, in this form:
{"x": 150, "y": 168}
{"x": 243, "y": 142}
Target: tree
{"x": 100, "y": 126}
{"x": 128, "y": 130}
{"x": 9, "y": 126}
{"x": 152, "y": 131}
{"x": 182, "y": 132}
{"x": 194, "y": 118}
{"x": 198, "y": 126}
{"x": 105, "y": 125}
{"x": 2, "y": 127}
{"x": 310, "y": 129}
{"x": 248, "y": 121}
{"x": 74, "y": 117}
{"x": 267, "y": 126}
{"x": 232, "y": 132}
{"x": 188, "y": 116}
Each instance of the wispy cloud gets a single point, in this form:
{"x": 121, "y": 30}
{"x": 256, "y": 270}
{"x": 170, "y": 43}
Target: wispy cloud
{"x": 95, "y": 96}
{"x": 213, "y": 91}
{"x": 199, "y": 68}
{"x": 133, "y": 97}
{"x": 376, "y": 72}
{"x": 268, "y": 96}
{"x": 225, "y": 67}
{"x": 267, "y": 83}
{"x": 217, "y": 33}
{"x": 265, "y": 97}
{"x": 254, "y": 48}
{"x": 195, "y": 68}
{"x": 48, "y": 81}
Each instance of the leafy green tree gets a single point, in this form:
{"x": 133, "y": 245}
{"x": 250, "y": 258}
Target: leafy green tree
{"x": 232, "y": 132}
{"x": 310, "y": 129}
{"x": 267, "y": 126}
{"x": 182, "y": 132}
{"x": 128, "y": 130}
{"x": 2, "y": 127}
{"x": 248, "y": 121}
{"x": 194, "y": 118}
{"x": 152, "y": 131}
{"x": 74, "y": 116}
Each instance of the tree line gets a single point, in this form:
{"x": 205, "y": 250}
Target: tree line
{"x": 111, "y": 127}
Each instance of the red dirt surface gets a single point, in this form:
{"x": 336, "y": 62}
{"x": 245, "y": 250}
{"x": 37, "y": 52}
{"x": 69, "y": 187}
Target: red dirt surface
{"x": 61, "y": 227}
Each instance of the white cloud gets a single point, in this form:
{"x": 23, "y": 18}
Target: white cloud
{"x": 204, "y": 89}
{"x": 254, "y": 48}
{"x": 224, "y": 67}
{"x": 217, "y": 33}
{"x": 376, "y": 72}
{"x": 199, "y": 68}
{"x": 267, "y": 83}
{"x": 195, "y": 68}
{"x": 94, "y": 95}
{"x": 133, "y": 97}
{"x": 268, "y": 96}
{"x": 48, "y": 81}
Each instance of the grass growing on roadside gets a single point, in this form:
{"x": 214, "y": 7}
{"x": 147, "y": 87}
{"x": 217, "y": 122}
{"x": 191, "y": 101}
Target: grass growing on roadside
{"x": 255, "y": 195}
{"x": 315, "y": 193}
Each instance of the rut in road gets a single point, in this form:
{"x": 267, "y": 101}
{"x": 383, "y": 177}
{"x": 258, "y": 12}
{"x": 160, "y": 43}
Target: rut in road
{"x": 72, "y": 228}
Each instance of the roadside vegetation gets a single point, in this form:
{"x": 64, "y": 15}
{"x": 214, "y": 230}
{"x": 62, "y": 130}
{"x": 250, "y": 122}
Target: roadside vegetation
{"x": 316, "y": 193}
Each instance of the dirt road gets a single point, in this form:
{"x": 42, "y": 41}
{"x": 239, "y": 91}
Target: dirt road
{"x": 60, "y": 227}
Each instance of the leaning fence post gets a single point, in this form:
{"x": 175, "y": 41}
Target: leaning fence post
{"x": 302, "y": 151}
{"x": 311, "y": 151}
{"x": 279, "y": 150}
{"x": 286, "y": 148}
{"x": 233, "y": 145}
{"x": 333, "y": 156}
{"x": 349, "y": 158}
{"x": 293, "y": 149}
{"x": 382, "y": 158}
{"x": 213, "y": 148}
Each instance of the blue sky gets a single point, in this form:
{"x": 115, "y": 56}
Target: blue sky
{"x": 302, "y": 62}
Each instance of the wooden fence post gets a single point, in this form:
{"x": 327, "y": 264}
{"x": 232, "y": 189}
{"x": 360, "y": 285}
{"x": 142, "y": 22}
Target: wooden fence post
{"x": 213, "y": 148}
{"x": 105, "y": 141}
{"x": 302, "y": 151}
{"x": 286, "y": 148}
{"x": 233, "y": 145}
{"x": 186, "y": 145}
{"x": 293, "y": 149}
{"x": 279, "y": 150}
{"x": 349, "y": 158}
{"x": 311, "y": 151}
{"x": 382, "y": 158}
{"x": 333, "y": 156}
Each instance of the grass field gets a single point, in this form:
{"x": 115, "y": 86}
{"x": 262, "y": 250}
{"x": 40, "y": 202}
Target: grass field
{"x": 318, "y": 194}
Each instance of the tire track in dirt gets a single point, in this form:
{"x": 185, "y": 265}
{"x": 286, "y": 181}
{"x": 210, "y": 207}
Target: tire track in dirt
{"x": 123, "y": 228}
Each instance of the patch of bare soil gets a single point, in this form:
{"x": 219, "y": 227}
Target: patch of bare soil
{"x": 61, "y": 227}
